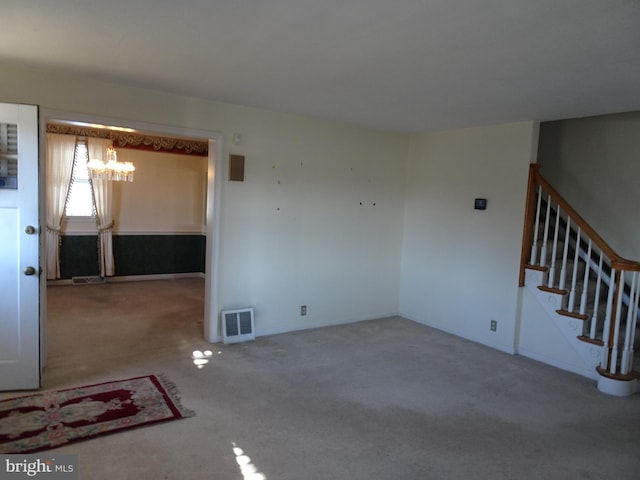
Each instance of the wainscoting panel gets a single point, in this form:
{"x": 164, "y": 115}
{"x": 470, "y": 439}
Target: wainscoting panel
{"x": 134, "y": 254}
{"x": 156, "y": 254}
{"x": 79, "y": 256}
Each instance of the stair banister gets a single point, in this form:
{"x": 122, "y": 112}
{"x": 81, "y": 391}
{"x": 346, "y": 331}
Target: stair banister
{"x": 535, "y": 180}
{"x": 620, "y": 275}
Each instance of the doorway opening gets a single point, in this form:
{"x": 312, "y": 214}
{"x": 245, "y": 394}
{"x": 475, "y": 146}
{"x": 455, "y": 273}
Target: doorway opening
{"x": 169, "y": 213}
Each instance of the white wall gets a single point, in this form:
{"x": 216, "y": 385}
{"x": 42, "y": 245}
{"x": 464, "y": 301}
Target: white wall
{"x": 295, "y": 228}
{"x": 540, "y": 338}
{"x": 593, "y": 163}
{"x": 322, "y": 248}
{"x": 167, "y": 196}
{"x": 460, "y": 265}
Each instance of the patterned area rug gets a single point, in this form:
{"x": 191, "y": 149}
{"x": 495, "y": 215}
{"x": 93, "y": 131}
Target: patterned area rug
{"x": 51, "y": 419}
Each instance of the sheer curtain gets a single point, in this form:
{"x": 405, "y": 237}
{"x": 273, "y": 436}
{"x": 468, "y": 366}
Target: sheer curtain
{"x": 59, "y": 165}
{"x": 102, "y": 195}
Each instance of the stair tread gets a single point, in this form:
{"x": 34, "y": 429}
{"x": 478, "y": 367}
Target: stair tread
{"x": 552, "y": 290}
{"x": 632, "y": 375}
{"x": 573, "y": 314}
{"x": 536, "y": 267}
{"x": 591, "y": 340}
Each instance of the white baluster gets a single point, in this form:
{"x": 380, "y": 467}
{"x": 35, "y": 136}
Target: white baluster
{"x": 554, "y": 251}
{"x": 629, "y": 334}
{"x": 583, "y": 297}
{"x": 545, "y": 236}
{"x": 534, "y": 245}
{"x": 574, "y": 275}
{"x": 607, "y": 321}
{"x": 616, "y": 326}
{"x": 565, "y": 253}
{"x": 596, "y": 301}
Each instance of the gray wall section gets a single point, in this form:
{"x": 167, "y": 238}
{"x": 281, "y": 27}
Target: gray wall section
{"x": 594, "y": 163}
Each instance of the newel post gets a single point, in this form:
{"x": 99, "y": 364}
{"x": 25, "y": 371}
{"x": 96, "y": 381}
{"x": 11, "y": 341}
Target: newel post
{"x": 529, "y": 215}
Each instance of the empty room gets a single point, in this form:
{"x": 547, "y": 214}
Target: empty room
{"x": 420, "y": 214}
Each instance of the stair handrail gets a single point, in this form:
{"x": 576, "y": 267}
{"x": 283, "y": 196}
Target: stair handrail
{"x": 537, "y": 180}
{"x": 617, "y": 333}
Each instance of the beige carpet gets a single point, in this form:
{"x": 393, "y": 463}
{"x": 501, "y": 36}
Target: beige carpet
{"x": 383, "y": 399}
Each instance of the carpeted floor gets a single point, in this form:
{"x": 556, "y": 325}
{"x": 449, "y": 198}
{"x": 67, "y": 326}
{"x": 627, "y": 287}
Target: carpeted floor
{"x": 382, "y": 399}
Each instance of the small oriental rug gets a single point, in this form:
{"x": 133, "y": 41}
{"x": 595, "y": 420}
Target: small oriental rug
{"x": 52, "y": 419}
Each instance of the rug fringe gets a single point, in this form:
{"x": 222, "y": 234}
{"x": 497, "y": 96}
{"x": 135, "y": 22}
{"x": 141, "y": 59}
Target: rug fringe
{"x": 174, "y": 393}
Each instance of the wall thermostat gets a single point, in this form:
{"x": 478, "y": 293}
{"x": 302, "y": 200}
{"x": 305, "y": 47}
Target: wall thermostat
{"x": 480, "y": 204}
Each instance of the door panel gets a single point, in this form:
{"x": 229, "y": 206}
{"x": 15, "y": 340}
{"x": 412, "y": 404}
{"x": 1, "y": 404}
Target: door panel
{"x": 19, "y": 248}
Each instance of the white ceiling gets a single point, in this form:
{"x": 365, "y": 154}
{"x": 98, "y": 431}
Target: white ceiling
{"x": 399, "y": 65}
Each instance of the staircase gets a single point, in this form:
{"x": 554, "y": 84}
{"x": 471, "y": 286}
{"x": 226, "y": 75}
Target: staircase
{"x": 590, "y": 292}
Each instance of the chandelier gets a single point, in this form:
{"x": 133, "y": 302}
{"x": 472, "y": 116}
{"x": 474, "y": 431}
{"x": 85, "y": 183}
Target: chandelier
{"x": 111, "y": 168}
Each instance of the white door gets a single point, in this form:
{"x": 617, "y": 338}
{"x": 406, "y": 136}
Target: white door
{"x": 19, "y": 248}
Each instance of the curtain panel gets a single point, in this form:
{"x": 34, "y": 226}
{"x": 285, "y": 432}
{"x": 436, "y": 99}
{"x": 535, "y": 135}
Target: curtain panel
{"x": 59, "y": 166}
{"x": 102, "y": 196}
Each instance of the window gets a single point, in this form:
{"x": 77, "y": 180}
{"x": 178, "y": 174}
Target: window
{"x": 80, "y": 198}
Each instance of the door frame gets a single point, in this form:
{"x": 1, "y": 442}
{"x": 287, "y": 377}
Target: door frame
{"x": 211, "y": 331}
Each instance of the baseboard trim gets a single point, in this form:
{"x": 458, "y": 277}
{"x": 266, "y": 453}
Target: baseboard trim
{"x": 159, "y": 276}
{"x": 583, "y": 372}
{"x": 134, "y": 278}
{"x": 480, "y": 340}
{"x": 279, "y": 330}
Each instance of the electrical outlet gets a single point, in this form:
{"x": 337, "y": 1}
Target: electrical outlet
{"x": 303, "y": 310}
{"x": 494, "y": 325}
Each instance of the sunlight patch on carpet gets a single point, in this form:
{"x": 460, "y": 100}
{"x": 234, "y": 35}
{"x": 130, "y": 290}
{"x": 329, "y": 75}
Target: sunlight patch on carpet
{"x": 247, "y": 468}
{"x": 200, "y": 358}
